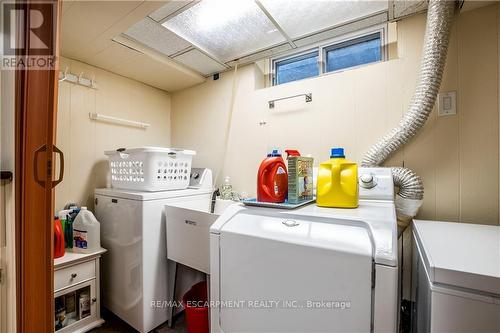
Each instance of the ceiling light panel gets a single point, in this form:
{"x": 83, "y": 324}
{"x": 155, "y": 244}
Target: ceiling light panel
{"x": 200, "y": 62}
{"x": 167, "y": 10}
{"x": 301, "y": 17}
{"x": 157, "y": 37}
{"x": 227, "y": 29}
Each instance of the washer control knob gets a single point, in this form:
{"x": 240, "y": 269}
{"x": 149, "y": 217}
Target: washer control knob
{"x": 367, "y": 181}
{"x": 196, "y": 175}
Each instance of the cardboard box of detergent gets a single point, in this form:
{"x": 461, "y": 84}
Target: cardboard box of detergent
{"x": 300, "y": 178}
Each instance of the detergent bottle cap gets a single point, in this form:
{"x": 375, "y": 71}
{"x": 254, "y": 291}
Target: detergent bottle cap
{"x": 274, "y": 153}
{"x": 292, "y": 152}
{"x": 337, "y": 153}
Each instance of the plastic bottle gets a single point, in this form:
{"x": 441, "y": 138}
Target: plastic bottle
{"x": 58, "y": 239}
{"x": 337, "y": 182}
{"x": 272, "y": 179}
{"x": 227, "y": 189}
{"x": 66, "y": 226}
{"x": 86, "y": 232}
{"x": 73, "y": 212}
{"x": 68, "y": 232}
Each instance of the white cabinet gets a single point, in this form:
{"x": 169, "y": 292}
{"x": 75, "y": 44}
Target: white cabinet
{"x": 76, "y": 292}
{"x": 455, "y": 277}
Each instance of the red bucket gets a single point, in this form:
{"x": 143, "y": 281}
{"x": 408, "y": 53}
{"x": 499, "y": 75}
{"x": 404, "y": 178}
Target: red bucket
{"x": 195, "y": 304}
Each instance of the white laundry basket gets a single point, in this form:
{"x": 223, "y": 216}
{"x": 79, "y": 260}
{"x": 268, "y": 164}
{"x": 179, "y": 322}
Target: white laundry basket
{"x": 150, "y": 168}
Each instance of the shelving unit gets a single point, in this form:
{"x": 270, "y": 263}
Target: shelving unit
{"x": 76, "y": 277}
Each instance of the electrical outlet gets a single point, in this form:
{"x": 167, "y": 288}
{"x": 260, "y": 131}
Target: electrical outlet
{"x": 447, "y": 103}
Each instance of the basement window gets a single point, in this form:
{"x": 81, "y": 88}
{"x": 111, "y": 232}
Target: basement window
{"x": 354, "y": 52}
{"x": 297, "y": 67}
{"x": 336, "y": 55}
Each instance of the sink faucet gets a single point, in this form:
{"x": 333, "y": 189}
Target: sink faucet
{"x": 215, "y": 193}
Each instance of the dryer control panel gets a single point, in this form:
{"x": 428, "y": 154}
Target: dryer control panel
{"x": 201, "y": 178}
{"x": 375, "y": 184}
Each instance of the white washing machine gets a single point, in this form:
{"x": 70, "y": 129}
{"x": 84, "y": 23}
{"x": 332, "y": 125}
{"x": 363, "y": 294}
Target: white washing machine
{"x": 308, "y": 270}
{"x": 455, "y": 277}
{"x": 134, "y": 270}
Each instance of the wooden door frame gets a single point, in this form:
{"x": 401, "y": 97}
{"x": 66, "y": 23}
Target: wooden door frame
{"x": 35, "y": 109}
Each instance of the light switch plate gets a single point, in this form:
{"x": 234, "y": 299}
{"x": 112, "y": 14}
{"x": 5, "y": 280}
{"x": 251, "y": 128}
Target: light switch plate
{"x": 447, "y": 103}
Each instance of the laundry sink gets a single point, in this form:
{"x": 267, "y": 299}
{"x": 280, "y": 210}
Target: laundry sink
{"x": 221, "y": 205}
{"x": 188, "y": 236}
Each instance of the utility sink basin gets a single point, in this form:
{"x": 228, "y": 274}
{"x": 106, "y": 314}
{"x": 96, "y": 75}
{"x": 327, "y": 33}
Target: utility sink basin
{"x": 188, "y": 234}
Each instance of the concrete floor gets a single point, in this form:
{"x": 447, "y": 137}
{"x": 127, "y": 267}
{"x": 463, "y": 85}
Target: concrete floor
{"x": 114, "y": 324}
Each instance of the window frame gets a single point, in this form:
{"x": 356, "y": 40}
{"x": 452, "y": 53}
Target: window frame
{"x": 323, "y": 46}
{"x": 296, "y": 57}
{"x": 350, "y": 42}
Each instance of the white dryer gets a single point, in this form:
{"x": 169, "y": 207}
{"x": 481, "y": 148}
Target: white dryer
{"x": 134, "y": 270}
{"x": 308, "y": 270}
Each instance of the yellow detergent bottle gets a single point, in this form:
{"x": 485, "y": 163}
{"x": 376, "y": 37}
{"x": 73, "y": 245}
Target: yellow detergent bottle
{"x": 337, "y": 182}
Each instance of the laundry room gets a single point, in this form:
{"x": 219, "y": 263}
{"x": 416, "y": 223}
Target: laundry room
{"x": 250, "y": 166}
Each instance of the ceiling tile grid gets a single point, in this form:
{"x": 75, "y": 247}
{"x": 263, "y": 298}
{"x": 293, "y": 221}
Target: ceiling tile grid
{"x": 226, "y": 29}
{"x": 299, "y": 18}
{"x": 199, "y": 62}
{"x": 209, "y": 36}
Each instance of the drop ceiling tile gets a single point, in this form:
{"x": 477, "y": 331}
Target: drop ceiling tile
{"x": 165, "y": 75}
{"x": 170, "y": 8}
{"x": 226, "y": 29}
{"x": 342, "y": 30}
{"x": 301, "y": 17}
{"x": 200, "y": 62}
{"x": 157, "y": 37}
{"x": 268, "y": 53}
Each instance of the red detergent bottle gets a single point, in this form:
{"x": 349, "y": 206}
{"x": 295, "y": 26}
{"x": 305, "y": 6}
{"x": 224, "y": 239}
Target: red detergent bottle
{"x": 58, "y": 239}
{"x": 272, "y": 179}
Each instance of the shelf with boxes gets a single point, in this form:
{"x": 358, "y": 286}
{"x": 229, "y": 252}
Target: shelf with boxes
{"x": 76, "y": 292}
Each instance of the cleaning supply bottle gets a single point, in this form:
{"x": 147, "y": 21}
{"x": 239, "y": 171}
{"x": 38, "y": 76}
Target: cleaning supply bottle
{"x": 272, "y": 179}
{"x": 58, "y": 239}
{"x": 64, "y": 218}
{"x": 73, "y": 213}
{"x": 226, "y": 192}
{"x": 337, "y": 182}
{"x": 86, "y": 232}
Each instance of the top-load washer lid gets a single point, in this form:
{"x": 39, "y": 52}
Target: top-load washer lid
{"x": 303, "y": 230}
{"x": 144, "y": 196}
{"x": 460, "y": 254}
{"x": 292, "y": 274}
{"x": 378, "y": 218}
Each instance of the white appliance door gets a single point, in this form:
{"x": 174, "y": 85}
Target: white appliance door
{"x": 294, "y": 275}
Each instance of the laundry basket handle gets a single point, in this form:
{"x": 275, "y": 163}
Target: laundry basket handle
{"x": 122, "y": 153}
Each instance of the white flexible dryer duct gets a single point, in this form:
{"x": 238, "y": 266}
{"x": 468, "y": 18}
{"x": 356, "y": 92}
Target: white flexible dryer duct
{"x": 440, "y": 17}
